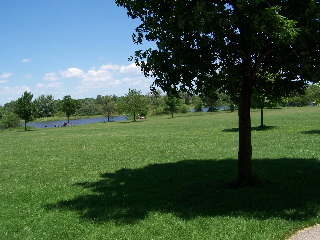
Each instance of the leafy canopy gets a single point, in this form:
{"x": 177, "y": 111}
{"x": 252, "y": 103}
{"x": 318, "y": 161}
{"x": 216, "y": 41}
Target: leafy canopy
{"x": 69, "y": 106}
{"x": 201, "y": 42}
{"x": 24, "y": 107}
{"x": 135, "y": 104}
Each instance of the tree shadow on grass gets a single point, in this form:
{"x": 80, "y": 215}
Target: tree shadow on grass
{"x": 193, "y": 188}
{"x": 131, "y": 121}
{"x": 28, "y": 130}
{"x": 311, "y": 132}
{"x": 259, "y": 128}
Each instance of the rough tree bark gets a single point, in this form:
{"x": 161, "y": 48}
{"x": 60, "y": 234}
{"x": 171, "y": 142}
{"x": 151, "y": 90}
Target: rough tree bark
{"x": 245, "y": 147}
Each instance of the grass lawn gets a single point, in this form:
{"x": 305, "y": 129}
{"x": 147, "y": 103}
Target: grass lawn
{"x": 161, "y": 178}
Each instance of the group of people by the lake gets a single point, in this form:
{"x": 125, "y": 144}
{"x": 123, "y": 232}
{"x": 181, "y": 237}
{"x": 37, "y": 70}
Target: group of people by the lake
{"x": 64, "y": 125}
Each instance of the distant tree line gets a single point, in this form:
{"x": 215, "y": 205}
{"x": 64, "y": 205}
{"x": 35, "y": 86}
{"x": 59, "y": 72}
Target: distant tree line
{"x": 135, "y": 105}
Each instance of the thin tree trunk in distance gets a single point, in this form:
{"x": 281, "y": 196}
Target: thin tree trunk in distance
{"x": 261, "y": 117}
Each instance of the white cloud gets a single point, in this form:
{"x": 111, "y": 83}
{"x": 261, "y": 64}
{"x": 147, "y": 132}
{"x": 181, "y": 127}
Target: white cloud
{"x": 106, "y": 78}
{"x": 25, "y": 60}
{"x": 50, "y": 85}
{"x": 3, "y": 81}
{"x": 14, "y": 90}
{"x": 5, "y": 75}
{"x": 72, "y": 73}
{"x": 99, "y": 75}
{"x": 51, "y": 77}
{"x": 132, "y": 69}
{"x": 110, "y": 67}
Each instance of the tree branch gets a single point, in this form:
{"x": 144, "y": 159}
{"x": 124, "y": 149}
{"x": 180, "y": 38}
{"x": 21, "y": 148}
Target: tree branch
{"x": 257, "y": 64}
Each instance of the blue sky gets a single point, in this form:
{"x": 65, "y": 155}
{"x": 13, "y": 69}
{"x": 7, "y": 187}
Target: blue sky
{"x": 67, "y": 47}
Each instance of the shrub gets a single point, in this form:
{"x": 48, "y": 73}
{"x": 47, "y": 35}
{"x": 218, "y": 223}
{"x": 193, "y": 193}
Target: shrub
{"x": 184, "y": 109}
{"x": 9, "y": 120}
{"x": 198, "y": 106}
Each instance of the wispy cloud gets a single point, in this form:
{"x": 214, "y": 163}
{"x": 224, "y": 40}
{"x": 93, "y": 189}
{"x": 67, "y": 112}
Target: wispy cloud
{"x": 14, "y": 90}
{"x": 50, "y": 85}
{"x": 28, "y": 76}
{"x": 51, "y": 77}
{"x": 25, "y": 60}
{"x": 72, "y": 73}
{"x": 5, "y": 75}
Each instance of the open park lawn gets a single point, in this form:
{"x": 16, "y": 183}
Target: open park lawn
{"x": 161, "y": 178}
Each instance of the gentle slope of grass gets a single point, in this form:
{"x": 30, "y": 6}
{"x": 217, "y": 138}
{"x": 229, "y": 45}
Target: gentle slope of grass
{"x": 161, "y": 178}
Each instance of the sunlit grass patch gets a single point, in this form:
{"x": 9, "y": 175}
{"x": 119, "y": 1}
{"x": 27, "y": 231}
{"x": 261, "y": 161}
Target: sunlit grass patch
{"x": 161, "y": 178}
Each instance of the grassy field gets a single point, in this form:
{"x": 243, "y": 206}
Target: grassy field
{"x": 161, "y": 178}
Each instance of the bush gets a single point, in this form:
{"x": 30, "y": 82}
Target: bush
{"x": 198, "y": 106}
{"x": 184, "y": 109}
{"x": 9, "y": 120}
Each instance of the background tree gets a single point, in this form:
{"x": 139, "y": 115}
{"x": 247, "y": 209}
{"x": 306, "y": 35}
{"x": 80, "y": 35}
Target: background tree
{"x": 9, "y": 120}
{"x": 186, "y": 97}
{"x": 24, "y": 108}
{"x": 2, "y": 111}
{"x": 109, "y": 106}
{"x": 223, "y": 45}
{"x": 69, "y": 106}
{"x": 9, "y": 107}
{"x": 88, "y": 107}
{"x": 99, "y": 99}
{"x": 214, "y": 99}
{"x": 198, "y": 105}
{"x": 296, "y": 100}
{"x": 44, "y": 106}
{"x": 156, "y": 101}
{"x": 269, "y": 92}
{"x": 313, "y": 94}
{"x": 134, "y": 104}
{"x": 172, "y": 104}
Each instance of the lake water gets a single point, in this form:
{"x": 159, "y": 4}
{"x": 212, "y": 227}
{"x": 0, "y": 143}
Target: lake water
{"x": 51, "y": 124}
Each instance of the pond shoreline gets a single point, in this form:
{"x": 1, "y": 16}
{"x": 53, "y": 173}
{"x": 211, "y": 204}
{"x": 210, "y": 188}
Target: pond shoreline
{"x": 60, "y": 123}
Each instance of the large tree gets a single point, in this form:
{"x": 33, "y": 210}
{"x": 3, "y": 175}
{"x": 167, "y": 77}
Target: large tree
{"x": 223, "y": 44}
{"x": 24, "y": 108}
{"x": 69, "y": 106}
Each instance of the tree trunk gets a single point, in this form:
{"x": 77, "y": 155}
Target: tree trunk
{"x": 25, "y": 125}
{"x": 245, "y": 148}
{"x": 261, "y": 117}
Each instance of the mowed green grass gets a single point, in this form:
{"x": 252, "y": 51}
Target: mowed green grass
{"x": 161, "y": 178}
